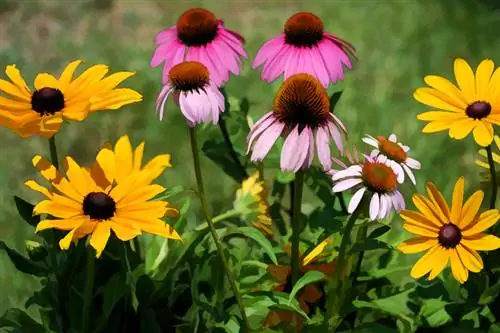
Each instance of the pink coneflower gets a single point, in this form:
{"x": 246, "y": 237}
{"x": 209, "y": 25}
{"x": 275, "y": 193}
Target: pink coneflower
{"x": 372, "y": 177}
{"x": 395, "y": 155}
{"x": 304, "y": 47}
{"x": 200, "y": 36}
{"x": 301, "y": 111}
{"x": 197, "y": 96}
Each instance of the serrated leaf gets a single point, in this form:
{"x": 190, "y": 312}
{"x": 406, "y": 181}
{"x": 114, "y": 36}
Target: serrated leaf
{"x": 25, "y": 210}
{"x": 258, "y": 237}
{"x": 22, "y": 263}
{"x": 308, "y": 278}
{"x": 379, "y": 231}
{"x": 369, "y": 244}
{"x": 16, "y": 318}
{"x": 114, "y": 290}
{"x": 334, "y": 99}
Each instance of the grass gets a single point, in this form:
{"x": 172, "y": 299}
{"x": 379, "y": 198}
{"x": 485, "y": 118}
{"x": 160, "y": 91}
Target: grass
{"x": 398, "y": 43}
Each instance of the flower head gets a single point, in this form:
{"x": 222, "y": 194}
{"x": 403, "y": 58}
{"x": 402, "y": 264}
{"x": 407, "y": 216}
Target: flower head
{"x": 395, "y": 155}
{"x": 301, "y": 111}
{"x": 483, "y": 163}
{"x": 200, "y": 36}
{"x": 112, "y": 195}
{"x": 198, "y": 97}
{"x": 371, "y": 177}
{"x": 42, "y": 111}
{"x": 304, "y": 47}
{"x": 473, "y": 106}
{"x": 453, "y": 235}
{"x": 251, "y": 201}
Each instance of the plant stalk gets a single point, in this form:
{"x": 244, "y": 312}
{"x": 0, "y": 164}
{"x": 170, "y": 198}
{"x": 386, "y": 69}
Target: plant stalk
{"x": 494, "y": 188}
{"x": 53, "y": 152}
{"x": 296, "y": 224}
{"x": 88, "y": 292}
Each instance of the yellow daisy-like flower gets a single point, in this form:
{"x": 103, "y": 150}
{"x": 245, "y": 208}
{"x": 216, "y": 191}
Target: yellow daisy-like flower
{"x": 473, "y": 106}
{"x": 103, "y": 198}
{"x": 251, "y": 200}
{"x": 43, "y": 110}
{"x": 453, "y": 235}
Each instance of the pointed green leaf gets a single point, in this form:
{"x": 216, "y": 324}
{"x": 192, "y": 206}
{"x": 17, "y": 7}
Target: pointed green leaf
{"x": 379, "y": 231}
{"x": 490, "y": 294}
{"x": 25, "y": 210}
{"x": 16, "y": 318}
{"x": 258, "y": 237}
{"x": 308, "y": 278}
{"x": 369, "y": 244}
{"x": 217, "y": 152}
{"x": 334, "y": 99}
{"x": 22, "y": 263}
{"x": 114, "y": 290}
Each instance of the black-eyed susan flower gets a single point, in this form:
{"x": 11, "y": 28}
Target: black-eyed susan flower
{"x": 483, "y": 160}
{"x": 194, "y": 92}
{"x": 395, "y": 154}
{"x": 449, "y": 234}
{"x": 473, "y": 106}
{"x": 114, "y": 194}
{"x": 310, "y": 295}
{"x": 372, "y": 177}
{"x": 42, "y": 111}
{"x": 301, "y": 113}
{"x": 251, "y": 202}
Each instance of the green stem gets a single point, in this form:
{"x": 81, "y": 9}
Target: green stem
{"x": 219, "y": 218}
{"x": 362, "y": 236}
{"x": 213, "y": 231}
{"x": 494, "y": 188}
{"x": 53, "y": 152}
{"x": 88, "y": 292}
{"x": 232, "y": 153}
{"x": 343, "y": 206}
{"x": 296, "y": 224}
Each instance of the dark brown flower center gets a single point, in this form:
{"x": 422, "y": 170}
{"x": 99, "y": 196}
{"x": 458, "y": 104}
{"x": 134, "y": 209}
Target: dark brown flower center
{"x": 303, "y": 30}
{"x": 99, "y": 206}
{"x": 378, "y": 177}
{"x": 478, "y": 110}
{"x": 47, "y": 101}
{"x": 449, "y": 236}
{"x": 302, "y": 100}
{"x": 391, "y": 150}
{"x": 188, "y": 76}
{"x": 197, "y": 27}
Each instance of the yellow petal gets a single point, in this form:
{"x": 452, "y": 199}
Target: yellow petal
{"x": 124, "y": 232}
{"x": 419, "y": 230}
{"x": 425, "y": 263}
{"x": 113, "y": 80}
{"x": 100, "y": 237}
{"x": 445, "y": 86}
{"x": 494, "y": 86}
{"x": 15, "y": 76}
{"x": 442, "y": 209}
{"x": 457, "y": 200}
{"x": 315, "y": 252}
{"x": 114, "y": 99}
{"x": 77, "y": 111}
{"x": 106, "y": 161}
{"x": 437, "y": 126}
{"x": 83, "y": 87}
{"x": 63, "y": 224}
{"x": 441, "y": 116}
{"x": 485, "y": 221}
{"x": 14, "y": 91}
{"x": 10, "y": 105}
{"x": 46, "y": 80}
{"x": 160, "y": 228}
{"x": 141, "y": 195}
{"x": 123, "y": 158}
{"x": 483, "y": 76}
{"x": 120, "y": 191}
{"x": 470, "y": 258}
{"x": 68, "y": 72}
{"x": 441, "y": 259}
{"x": 461, "y": 128}
{"x": 85, "y": 229}
{"x": 470, "y": 209}
{"x": 481, "y": 242}
{"x": 420, "y": 220}
{"x": 78, "y": 179}
{"x": 138, "y": 154}
{"x": 39, "y": 188}
{"x": 144, "y": 210}
{"x": 416, "y": 245}
{"x": 59, "y": 211}
{"x": 465, "y": 79}
{"x": 427, "y": 209}
{"x": 65, "y": 243}
{"x": 483, "y": 133}
{"x": 436, "y": 99}
{"x": 460, "y": 273}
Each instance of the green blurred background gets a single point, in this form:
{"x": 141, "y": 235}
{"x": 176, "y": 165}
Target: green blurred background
{"x": 398, "y": 42}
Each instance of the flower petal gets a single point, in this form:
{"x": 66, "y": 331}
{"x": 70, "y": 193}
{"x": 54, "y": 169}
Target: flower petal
{"x": 100, "y": 237}
{"x": 457, "y": 201}
{"x": 425, "y": 263}
{"x": 458, "y": 269}
{"x": 416, "y": 245}
{"x": 485, "y": 221}
{"x": 465, "y": 79}
{"x": 481, "y": 242}
{"x": 470, "y": 209}
{"x": 470, "y": 258}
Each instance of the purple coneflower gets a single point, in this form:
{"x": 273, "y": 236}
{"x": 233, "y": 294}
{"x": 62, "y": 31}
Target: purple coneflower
{"x": 200, "y": 36}
{"x": 197, "y": 96}
{"x": 301, "y": 113}
{"x": 304, "y": 47}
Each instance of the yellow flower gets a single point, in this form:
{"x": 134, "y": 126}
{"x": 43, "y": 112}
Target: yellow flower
{"x": 112, "y": 195}
{"x": 453, "y": 235}
{"x": 473, "y": 106}
{"x": 43, "y": 110}
{"x": 251, "y": 201}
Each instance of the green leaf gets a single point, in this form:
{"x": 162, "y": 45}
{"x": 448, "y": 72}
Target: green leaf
{"x": 490, "y": 294}
{"x": 434, "y": 312}
{"x": 16, "y": 318}
{"x": 369, "y": 244}
{"x": 308, "y": 278}
{"x": 217, "y": 152}
{"x": 285, "y": 177}
{"x": 149, "y": 323}
{"x": 22, "y": 263}
{"x": 320, "y": 184}
{"x": 258, "y": 237}
{"x": 373, "y": 328}
{"x": 25, "y": 210}
{"x": 379, "y": 231}
{"x": 114, "y": 290}
{"x": 174, "y": 190}
{"x": 334, "y": 99}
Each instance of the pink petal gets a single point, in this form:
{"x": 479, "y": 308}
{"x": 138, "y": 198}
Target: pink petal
{"x": 225, "y": 52}
{"x": 352, "y": 171}
{"x": 291, "y": 151}
{"x": 266, "y": 140}
{"x": 178, "y": 57}
{"x": 355, "y": 200}
{"x": 335, "y": 134}
{"x": 222, "y": 73}
{"x": 291, "y": 63}
{"x": 323, "y": 147}
{"x": 186, "y": 109}
{"x": 310, "y": 152}
{"x": 260, "y": 126}
{"x": 319, "y": 66}
{"x": 412, "y": 163}
{"x": 346, "y": 184}
{"x": 166, "y": 35}
{"x": 374, "y": 206}
{"x": 393, "y": 138}
{"x": 268, "y": 50}
{"x": 275, "y": 65}
{"x": 229, "y": 38}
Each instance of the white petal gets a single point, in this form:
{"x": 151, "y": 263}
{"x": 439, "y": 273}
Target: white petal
{"x": 412, "y": 163}
{"x": 410, "y": 174}
{"x": 398, "y": 170}
{"x": 381, "y": 158}
{"x": 374, "y": 206}
{"x": 393, "y": 138}
{"x": 355, "y": 200}
{"x": 346, "y": 184}
{"x": 405, "y": 148}
{"x": 374, "y": 153}
{"x": 352, "y": 171}
{"x": 370, "y": 141}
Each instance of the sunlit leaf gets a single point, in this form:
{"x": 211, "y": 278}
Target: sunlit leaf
{"x": 18, "y": 319}
{"x": 308, "y": 278}
{"x": 258, "y": 237}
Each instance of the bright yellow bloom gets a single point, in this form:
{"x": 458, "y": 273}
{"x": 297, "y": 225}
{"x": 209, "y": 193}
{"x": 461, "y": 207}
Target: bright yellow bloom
{"x": 112, "y": 195}
{"x": 251, "y": 200}
{"x": 42, "y": 111}
{"x": 473, "y": 106}
{"x": 453, "y": 235}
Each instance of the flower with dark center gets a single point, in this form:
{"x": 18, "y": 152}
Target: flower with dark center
{"x": 199, "y": 36}
{"x": 449, "y": 233}
{"x": 371, "y": 177}
{"x": 394, "y": 154}
{"x": 106, "y": 199}
{"x": 471, "y": 106}
{"x": 43, "y": 110}
{"x": 195, "y": 93}
{"x": 301, "y": 114}
{"x": 304, "y": 47}
{"x": 99, "y": 206}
